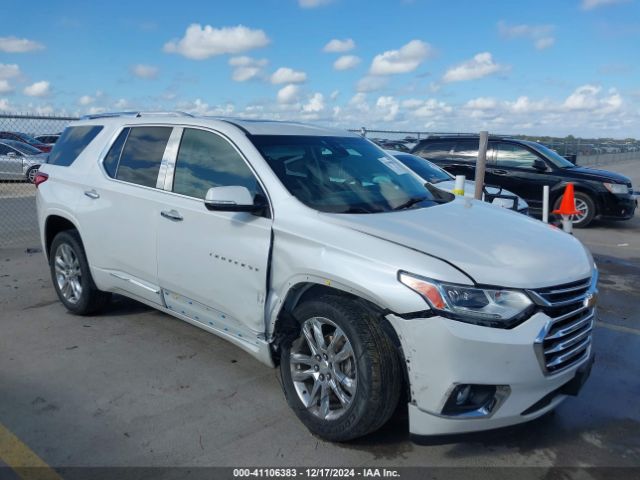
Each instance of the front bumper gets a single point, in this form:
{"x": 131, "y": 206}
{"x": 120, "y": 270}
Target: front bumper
{"x": 617, "y": 207}
{"x": 442, "y": 353}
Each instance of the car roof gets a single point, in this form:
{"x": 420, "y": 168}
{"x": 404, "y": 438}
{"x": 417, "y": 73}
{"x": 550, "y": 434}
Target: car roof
{"x": 14, "y": 143}
{"x": 249, "y": 126}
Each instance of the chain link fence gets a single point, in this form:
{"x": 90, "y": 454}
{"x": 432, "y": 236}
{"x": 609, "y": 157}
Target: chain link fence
{"x": 20, "y": 154}
{"x": 18, "y": 223}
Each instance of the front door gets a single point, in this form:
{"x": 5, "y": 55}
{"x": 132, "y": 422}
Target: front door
{"x": 512, "y": 168}
{"x": 10, "y": 163}
{"x": 212, "y": 266}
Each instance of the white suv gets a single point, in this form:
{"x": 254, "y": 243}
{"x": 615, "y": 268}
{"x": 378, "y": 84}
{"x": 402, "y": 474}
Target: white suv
{"x": 314, "y": 250}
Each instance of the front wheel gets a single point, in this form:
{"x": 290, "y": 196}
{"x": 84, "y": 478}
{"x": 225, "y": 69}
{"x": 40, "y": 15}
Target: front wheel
{"x": 341, "y": 375}
{"x": 586, "y": 208}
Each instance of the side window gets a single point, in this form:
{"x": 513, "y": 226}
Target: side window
{"x": 110, "y": 162}
{"x": 71, "y": 144}
{"x": 511, "y": 155}
{"x": 437, "y": 150}
{"x": 207, "y": 160}
{"x": 466, "y": 151}
{"x": 142, "y": 154}
{"x": 4, "y": 149}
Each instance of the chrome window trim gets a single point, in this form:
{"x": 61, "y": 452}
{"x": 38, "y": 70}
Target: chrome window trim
{"x": 167, "y": 165}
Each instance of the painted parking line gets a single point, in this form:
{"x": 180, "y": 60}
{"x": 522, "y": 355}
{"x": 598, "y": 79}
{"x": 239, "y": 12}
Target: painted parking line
{"x": 618, "y": 328}
{"x": 21, "y": 459}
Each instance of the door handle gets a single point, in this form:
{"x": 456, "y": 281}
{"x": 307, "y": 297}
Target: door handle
{"x": 171, "y": 215}
{"x": 499, "y": 172}
{"x": 92, "y": 194}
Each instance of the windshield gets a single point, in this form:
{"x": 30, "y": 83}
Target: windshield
{"x": 554, "y": 157}
{"x": 342, "y": 174}
{"x": 427, "y": 170}
{"x": 28, "y": 139}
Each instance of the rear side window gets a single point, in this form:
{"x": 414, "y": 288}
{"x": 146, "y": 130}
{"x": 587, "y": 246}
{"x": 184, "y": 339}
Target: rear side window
{"x": 110, "y": 162}
{"x": 71, "y": 144}
{"x": 142, "y": 154}
{"x": 436, "y": 150}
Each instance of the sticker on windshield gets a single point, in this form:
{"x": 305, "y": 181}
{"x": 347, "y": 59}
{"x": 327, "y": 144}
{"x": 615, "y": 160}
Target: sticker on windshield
{"x": 394, "y": 165}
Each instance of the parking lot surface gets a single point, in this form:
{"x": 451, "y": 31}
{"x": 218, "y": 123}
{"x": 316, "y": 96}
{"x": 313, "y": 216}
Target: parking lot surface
{"x": 135, "y": 387}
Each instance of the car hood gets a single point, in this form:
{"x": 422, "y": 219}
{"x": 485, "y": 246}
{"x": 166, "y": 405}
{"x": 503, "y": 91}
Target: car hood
{"x": 595, "y": 174}
{"x": 493, "y": 246}
{"x": 469, "y": 192}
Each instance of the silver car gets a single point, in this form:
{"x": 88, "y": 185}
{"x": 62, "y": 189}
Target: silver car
{"x": 19, "y": 161}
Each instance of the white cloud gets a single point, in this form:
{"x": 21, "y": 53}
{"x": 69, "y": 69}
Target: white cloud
{"x": 371, "y": 84}
{"x": 346, "y": 62}
{"x": 288, "y": 94}
{"x": 388, "y": 107}
{"x": 482, "y": 103}
{"x": 541, "y": 35}
{"x": 4, "y": 105}
{"x": 121, "y": 104}
{"x": 544, "y": 42}
{"x": 334, "y": 94}
{"x": 38, "y": 89}
{"x": 144, "y": 71}
{"x": 406, "y": 59}
{"x": 587, "y": 97}
{"x": 86, "y": 100}
{"x": 5, "y": 87}
{"x": 19, "y": 45}
{"x": 432, "y": 108}
{"x": 591, "y": 4}
{"x": 339, "y": 46}
{"x": 246, "y": 68}
{"x": 525, "y": 105}
{"x": 200, "y": 42}
{"x": 412, "y": 103}
{"x": 9, "y": 70}
{"x": 315, "y": 104}
{"x": 313, "y": 3}
{"x": 479, "y": 66}
{"x": 200, "y": 107}
{"x": 287, "y": 75}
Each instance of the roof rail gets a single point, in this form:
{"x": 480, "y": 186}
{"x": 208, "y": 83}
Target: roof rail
{"x": 454, "y": 135}
{"x": 135, "y": 114}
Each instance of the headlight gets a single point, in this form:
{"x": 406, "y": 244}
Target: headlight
{"x": 616, "y": 188}
{"x": 499, "y": 308}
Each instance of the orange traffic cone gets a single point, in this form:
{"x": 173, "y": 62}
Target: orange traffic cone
{"x": 568, "y": 204}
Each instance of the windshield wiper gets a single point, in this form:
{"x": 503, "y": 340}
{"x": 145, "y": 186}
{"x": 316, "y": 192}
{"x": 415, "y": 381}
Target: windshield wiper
{"x": 410, "y": 203}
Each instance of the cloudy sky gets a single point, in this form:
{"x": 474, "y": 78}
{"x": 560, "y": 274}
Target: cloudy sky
{"x": 541, "y": 67}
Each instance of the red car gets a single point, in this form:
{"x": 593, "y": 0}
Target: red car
{"x": 28, "y": 139}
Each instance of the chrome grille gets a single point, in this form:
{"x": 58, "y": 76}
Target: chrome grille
{"x": 566, "y": 338}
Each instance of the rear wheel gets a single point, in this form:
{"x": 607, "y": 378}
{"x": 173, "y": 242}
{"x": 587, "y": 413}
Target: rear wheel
{"x": 341, "y": 375}
{"x": 71, "y": 275}
{"x": 585, "y": 205}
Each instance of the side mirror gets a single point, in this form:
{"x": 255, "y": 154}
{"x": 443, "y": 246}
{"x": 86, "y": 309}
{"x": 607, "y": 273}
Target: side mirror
{"x": 230, "y": 199}
{"x": 539, "y": 164}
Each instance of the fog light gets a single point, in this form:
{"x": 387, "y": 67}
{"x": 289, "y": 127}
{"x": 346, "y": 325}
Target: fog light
{"x": 474, "y": 400}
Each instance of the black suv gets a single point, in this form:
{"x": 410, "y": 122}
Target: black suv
{"x": 524, "y": 167}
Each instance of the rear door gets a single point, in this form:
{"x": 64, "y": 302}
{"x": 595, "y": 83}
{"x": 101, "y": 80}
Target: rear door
{"x": 120, "y": 210}
{"x": 457, "y": 156}
{"x": 512, "y": 169}
{"x": 10, "y": 163}
{"x": 212, "y": 266}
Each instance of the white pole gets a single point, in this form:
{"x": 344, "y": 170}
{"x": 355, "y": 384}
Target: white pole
{"x": 545, "y": 204}
{"x": 458, "y": 188}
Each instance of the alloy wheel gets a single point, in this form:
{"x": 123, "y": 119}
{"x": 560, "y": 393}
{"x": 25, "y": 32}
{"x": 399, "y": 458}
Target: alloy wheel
{"x": 68, "y": 273}
{"x": 323, "y": 368}
{"x": 583, "y": 208}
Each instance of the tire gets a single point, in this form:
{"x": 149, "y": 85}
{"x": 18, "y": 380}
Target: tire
{"x": 370, "y": 379}
{"x": 583, "y": 202}
{"x": 71, "y": 275}
{"x": 31, "y": 174}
